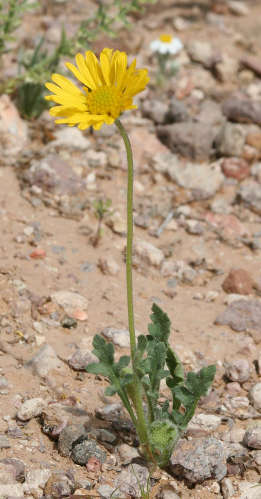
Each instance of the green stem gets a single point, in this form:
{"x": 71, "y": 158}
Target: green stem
{"x": 137, "y": 388}
{"x": 129, "y": 238}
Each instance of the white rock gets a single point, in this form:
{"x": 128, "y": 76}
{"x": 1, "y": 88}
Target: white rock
{"x": 70, "y": 301}
{"x": 127, "y": 453}
{"x": 200, "y": 51}
{"x": 238, "y": 370}
{"x": 119, "y": 337}
{"x": 36, "y": 480}
{"x": 252, "y": 437}
{"x": 31, "y": 408}
{"x": 249, "y": 490}
{"x": 255, "y": 396}
{"x": 238, "y": 8}
{"x": 96, "y": 159}
{"x": 203, "y": 424}
{"x": 211, "y": 296}
{"x": 227, "y": 488}
{"x": 71, "y": 138}
{"x": 118, "y": 223}
{"x": 234, "y": 297}
{"x": 148, "y": 252}
{"x": 131, "y": 479}
{"x": 44, "y": 361}
{"x": 196, "y": 176}
{"x": 108, "y": 265}
{"x": 178, "y": 269}
{"x": 13, "y": 130}
{"x": 11, "y": 490}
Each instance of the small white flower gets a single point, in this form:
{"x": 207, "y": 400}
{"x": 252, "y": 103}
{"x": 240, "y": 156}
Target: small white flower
{"x": 166, "y": 44}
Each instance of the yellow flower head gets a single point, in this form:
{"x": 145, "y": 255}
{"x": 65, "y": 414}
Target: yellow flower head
{"x": 165, "y": 38}
{"x": 109, "y": 87}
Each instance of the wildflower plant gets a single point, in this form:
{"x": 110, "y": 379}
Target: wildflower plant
{"x": 108, "y": 88}
{"x": 11, "y": 13}
{"x": 164, "y": 48}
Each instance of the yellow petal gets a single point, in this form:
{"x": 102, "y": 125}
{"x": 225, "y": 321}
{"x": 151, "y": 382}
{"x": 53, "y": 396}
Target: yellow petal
{"x": 94, "y": 67}
{"x": 105, "y": 67}
{"x": 66, "y": 84}
{"x": 120, "y": 68}
{"x": 85, "y": 71}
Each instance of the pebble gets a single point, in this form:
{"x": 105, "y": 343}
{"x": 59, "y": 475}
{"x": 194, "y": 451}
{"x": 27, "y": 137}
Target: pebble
{"x": 36, "y": 479}
{"x": 44, "y": 361}
{"x": 70, "y": 138}
{"x": 96, "y": 159}
{"x": 71, "y": 302}
{"x": 52, "y": 174}
{"x": 236, "y": 168}
{"x": 243, "y": 110}
{"x": 178, "y": 270}
{"x": 70, "y": 434}
{"x": 238, "y": 281}
{"x": 190, "y": 140}
{"x": 11, "y": 491}
{"x": 203, "y": 424}
{"x": 31, "y": 408}
{"x": 131, "y": 480}
{"x": 238, "y": 8}
{"x": 107, "y": 492}
{"x": 80, "y": 359}
{"x": 148, "y": 253}
{"x": 249, "y": 490}
{"x": 201, "y": 52}
{"x": 231, "y": 140}
{"x": 252, "y": 437}
{"x": 168, "y": 492}
{"x": 83, "y": 451}
{"x": 242, "y": 315}
{"x": 127, "y": 453}
{"x": 255, "y": 396}
{"x": 204, "y": 180}
{"x": 108, "y": 265}
{"x": 17, "y": 466}
{"x": 56, "y": 417}
{"x": 238, "y": 370}
{"x": 60, "y": 484}
{"x": 156, "y": 110}
{"x": 109, "y": 411}
{"x": 250, "y": 194}
{"x": 199, "y": 459}
{"x": 118, "y": 223}
{"x": 119, "y": 337}
{"x": 227, "y": 488}
{"x": 13, "y": 130}
{"x": 4, "y": 442}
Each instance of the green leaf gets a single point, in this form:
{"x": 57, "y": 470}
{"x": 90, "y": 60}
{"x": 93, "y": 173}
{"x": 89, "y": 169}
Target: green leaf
{"x": 175, "y": 367}
{"x": 99, "y": 368}
{"x": 200, "y": 382}
{"x": 110, "y": 390}
{"x": 188, "y": 394}
{"x": 103, "y": 350}
{"x": 123, "y": 362}
{"x": 160, "y": 327}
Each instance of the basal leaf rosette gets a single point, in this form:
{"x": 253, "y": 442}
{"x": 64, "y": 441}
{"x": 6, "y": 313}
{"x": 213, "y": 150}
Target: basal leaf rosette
{"x": 109, "y": 86}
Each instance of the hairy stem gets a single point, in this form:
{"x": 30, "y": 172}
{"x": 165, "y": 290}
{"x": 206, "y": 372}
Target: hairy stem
{"x": 137, "y": 396}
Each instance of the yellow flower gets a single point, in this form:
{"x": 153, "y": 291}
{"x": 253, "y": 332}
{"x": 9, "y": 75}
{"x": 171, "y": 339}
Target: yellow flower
{"x": 109, "y": 87}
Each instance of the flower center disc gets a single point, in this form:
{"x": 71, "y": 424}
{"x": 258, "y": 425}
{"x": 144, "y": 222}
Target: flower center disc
{"x": 165, "y": 38}
{"x": 104, "y": 100}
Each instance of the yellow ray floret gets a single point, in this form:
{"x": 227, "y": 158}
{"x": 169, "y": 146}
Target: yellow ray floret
{"x": 109, "y": 86}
